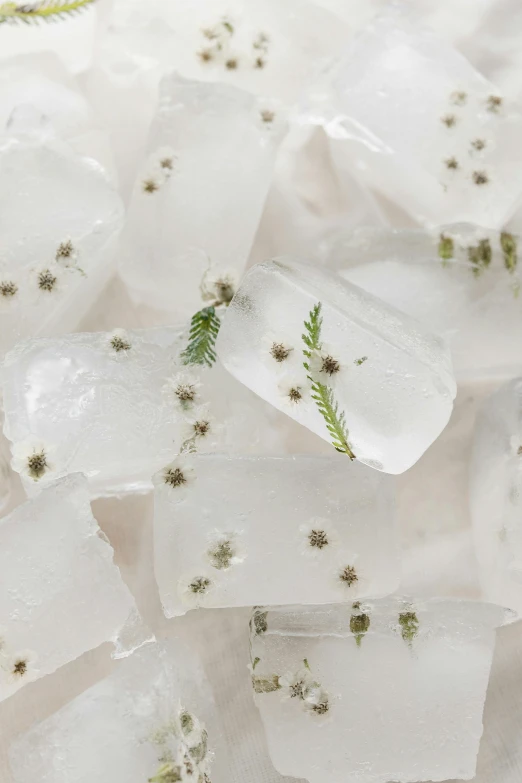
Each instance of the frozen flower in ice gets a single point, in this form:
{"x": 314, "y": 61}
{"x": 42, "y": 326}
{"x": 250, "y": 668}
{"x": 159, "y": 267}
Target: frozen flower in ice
{"x": 493, "y": 103}
{"x": 478, "y": 144}
{"x": 267, "y": 116}
{"x": 480, "y": 178}
{"x": 280, "y": 352}
{"x": 324, "y": 365}
{"x": 296, "y": 685}
{"x": 452, "y": 163}
{"x": 8, "y": 289}
{"x": 293, "y": 392}
{"x": 318, "y": 537}
{"x": 184, "y": 387}
{"x": 347, "y": 575}
{"x": 199, "y": 425}
{"x": 449, "y": 120}
{"x": 218, "y": 286}
{"x": 21, "y": 666}
{"x": 359, "y": 623}
{"x": 193, "y": 590}
{"x": 150, "y": 185}
{"x": 119, "y": 341}
{"x": 232, "y": 63}
{"x": 32, "y": 459}
{"x": 224, "y": 551}
{"x": 179, "y": 474}
{"x": 47, "y": 281}
{"x": 317, "y": 702}
{"x": 459, "y": 98}
{"x": 66, "y": 253}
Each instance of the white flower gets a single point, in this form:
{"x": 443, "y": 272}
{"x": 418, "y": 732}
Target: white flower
{"x": 348, "y": 576}
{"x": 21, "y": 666}
{"x": 194, "y": 589}
{"x": 218, "y": 285}
{"x": 317, "y": 702}
{"x": 317, "y": 537}
{"x": 325, "y": 366}
{"x": 33, "y": 459}
{"x": 9, "y": 290}
{"x": 225, "y": 551}
{"x": 280, "y": 351}
{"x": 294, "y": 392}
{"x": 119, "y": 342}
{"x": 178, "y": 476}
{"x": 199, "y": 425}
{"x": 183, "y": 388}
{"x": 66, "y": 253}
{"x": 296, "y": 685}
{"x": 47, "y": 280}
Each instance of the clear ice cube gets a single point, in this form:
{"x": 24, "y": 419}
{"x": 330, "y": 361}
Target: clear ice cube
{"x": 241, "y": 531}
{"x": 152, "y": 719}
{"x": 118, "y": 406}
{"x": 185, "y": 239}
{"x": 51, "y": 275}
{"x": 496, "y": 495}
{"x": 374, "y": 692}
{"x": 383, "y": 386}
{"x": 420, "y": 124}
{"x": 61, "y": 592}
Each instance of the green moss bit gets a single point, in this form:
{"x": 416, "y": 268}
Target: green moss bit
{"x": 261, "y": 42}
{"x": 452, "y": 163}
{"x": 360, "y": 361}
{"x": 409, "y": 624}
{"x": 446, "y": 247}
{"x": 199, "y": 585}
{"x": 186, "y": 722}
{"x": 46, "y": 280}
{"x": 449, "y": 120}
{"x": 227, "y": 24}
{"x": 494, "y": 102}
{"x": 480, "y": 256}
{"x": 167, "y": 773}
{"x": 221, "y": 555}
{"x": 65, "y": 250}
{"x": 266, "y": 684}
{"x": 359, "y": 623}
{"x": 459, "y": 98}
{"x": 508, "y": 243}
{"x": 348, "y": 576}
{"x": 259, "y": 622}
{"x": 8, "y": 289}
{"x": 45, "y": 11}
{"x": 204, "y": 328}
{"x": 120, "y": 344}
{"x": 174, "y": 477}
{"x": 280, "y": 352}
{"x": 321, "y": 394}
{"x": 37, "y": 465}
{"x": 255, "y": 662}
{"x": 199, "y": 751}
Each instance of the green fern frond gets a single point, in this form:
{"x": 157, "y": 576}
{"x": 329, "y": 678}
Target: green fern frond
{"x": 204, "y": 328}
{"x": 45, "y": 11}
{"x": 321, "y": 394}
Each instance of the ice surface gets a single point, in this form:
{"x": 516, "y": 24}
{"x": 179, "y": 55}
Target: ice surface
{"x": 61, "y": 592}
{"x": 496, "y": 495}
{"x": 198, "y": 198}
{"x": 380, "y": 691}
{"x": 154, "y": 715}
{"x": 422, "y": 126}
{"x": 111, "y": 405}
{"x": 390, "y": 377}
{"x": 463, "y": 282}
{"x": 274, "y": 530}
{"x": 51, "y": 274}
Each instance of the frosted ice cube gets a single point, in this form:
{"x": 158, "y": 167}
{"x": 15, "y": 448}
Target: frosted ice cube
{"x": 118, "y": 406}
{"x": 223, "y": 524}
{"x": 153, "y": 716}
{"x": 183, "y": 236}
{"x": 462, "y": 282}
{"x": 378, "y": 691}
{"x": 384, "y": 383}
{"x": 61, "y": 592}
{"x": 50, "y": 275}
{"x": 496, "y": 495}
{"x": 422, "y": 126}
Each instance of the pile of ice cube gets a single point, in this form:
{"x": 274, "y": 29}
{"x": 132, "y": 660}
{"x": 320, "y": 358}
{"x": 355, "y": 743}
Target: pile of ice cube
{"x": 261, "y": 391}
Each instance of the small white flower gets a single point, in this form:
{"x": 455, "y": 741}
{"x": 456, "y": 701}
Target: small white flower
{"x": 47, "y": 280}
{"x": 119, "y": 342}
{"x": 325, "y": 366}
{"x": 218, "y": 285}
{"x": 178, "y": 476}
{"x": 317, "y": 537}
{"x": 225, "y": 550}
{"x": 317, "y": 702}
{"x": 183, "y": 388}
{"x": 294, "y": 392}
{"x": 164, "y": 160}
{"x": 296, "y": 685}
{"x": 348, "y": 575}
{"x": 33, "y": 459}
{"x": 199, "y": 425}
{"x": 66, "y": 253}
{"x": 21, "y": 666}
{"x": 194, "y": 589}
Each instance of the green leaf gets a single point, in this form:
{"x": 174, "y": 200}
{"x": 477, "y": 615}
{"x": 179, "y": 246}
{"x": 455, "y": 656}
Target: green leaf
{"x": 204, "y": 329}
{"x": 47, "y": 10}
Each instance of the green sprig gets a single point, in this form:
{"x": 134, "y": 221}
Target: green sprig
{"x": 204, "y": 329}
{"x": 45, "y": 11}
{"x": 321, "y": 394}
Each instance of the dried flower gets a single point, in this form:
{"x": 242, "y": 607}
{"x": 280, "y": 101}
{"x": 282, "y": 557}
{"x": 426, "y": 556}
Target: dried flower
{"x": 31, "y": 458}
{"x": 46, "y": 280}
{"x": 174, "y": 477}
{"x": 224, "y": 553}
{"x": 280, "y": 352}
{"x": 478, "y": 144}
{"x": 330, "y": 366}
{"x": 150, "y": 185}
{"x": 449, "y": 120}
{"x": 167, "y": 163}
{"x": 480, "y": 178}
{"x": 348, "y": 576}
{"x": 267, "y": 684}
{"x": 119, "y": 341}
{"x": 292, "y": 392}
{"x": 360, "y": 361}
{"x": 8, "y": 289}
{"x": 295, "y": 685}
{"x": 318, "y": 536}
{"x": 206, "y": 55}
{"x": 409, "y": 625}
{"x": 21, "y": 666}
{"x": 199, "y": 585}
{"x": 185, "y": 388}
{"x": 231, "y": 64}
{"x": 65, "y": 251}
{"x": 259, "y": 63}
{"x": 451, "y": 163}
{"x": 494, "y": 102}
{"x": 267, "y": 115}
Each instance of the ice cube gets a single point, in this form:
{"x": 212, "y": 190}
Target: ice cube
{"x": 61, "y": 593}
{"x": 50, "y": 275}
{"x": 496, "y": 495}
{"x": 382, "y": 386}
{"x": 421, "y": 125}
{"x": 208, "y": 140}
{"x": 462, "y": 282}
{"x": 118, "y": 406}
{"x": 377, "y": 691}
{"x": 223, "y": 524}
{"x": 152, "y": 719}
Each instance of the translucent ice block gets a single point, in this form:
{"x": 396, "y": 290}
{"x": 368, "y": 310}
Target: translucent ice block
{"x": 198, "y": 198}
{"x": 496, "y": 495}
{"x": 379, "y": 691}
{"x": 118, "y": 406}
{"x": 241, "y": 531}
{"x": 59, "y": 222}
{"x": 421, "y": 125}
{"x": 152, "y": 719}
{"x": 463, "y": 282}
{"x": 382, "y": 386}
{"x": 61, "y": 592}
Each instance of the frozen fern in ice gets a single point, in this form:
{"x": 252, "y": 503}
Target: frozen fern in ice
{"x": 44, "y": 11}
{"x": 321, "y": 393}
{"x": 204, "y": 328}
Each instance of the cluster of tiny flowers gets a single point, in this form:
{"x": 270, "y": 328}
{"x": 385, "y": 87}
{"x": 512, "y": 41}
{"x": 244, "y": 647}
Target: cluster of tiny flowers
{"x": 161, "y": 167}
{"x": 306, "y": 691}
{"x": 218, "y": 48}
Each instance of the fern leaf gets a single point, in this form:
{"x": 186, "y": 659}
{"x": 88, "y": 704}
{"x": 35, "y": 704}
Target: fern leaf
{"x": 204, "y": 328}
{"x": 321, "y": 394}
{"x": 48, "y": 10}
